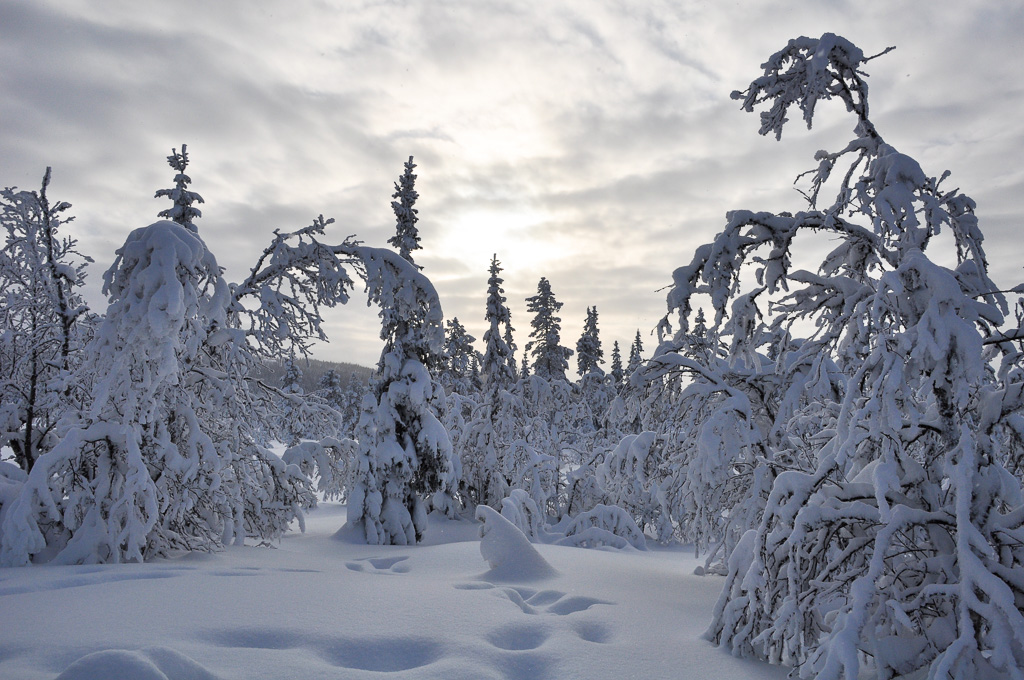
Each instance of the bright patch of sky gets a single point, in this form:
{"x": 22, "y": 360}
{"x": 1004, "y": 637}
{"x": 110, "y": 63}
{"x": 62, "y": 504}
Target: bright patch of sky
{"x": 593, "y": 143}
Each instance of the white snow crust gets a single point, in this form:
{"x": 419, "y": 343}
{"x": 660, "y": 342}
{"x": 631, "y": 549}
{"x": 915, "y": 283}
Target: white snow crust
{"x": 316, "y": 607}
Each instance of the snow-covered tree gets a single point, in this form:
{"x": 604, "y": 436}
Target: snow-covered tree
{"x": 139, "y": 474}
{"x": 293, "y": 395}
{"x": 617, "y": 372}
{"x": 483, "y": 448}
{"x": 726, "y": 423}
{"x": 328, "y": 461}
{"x": 542, "y": 412}
{"x": 330, "y": 388}
{"x": 279, "y": 304}
{"x": 457, "y": 357}
{"x": 41, "y": 319}
{"x": 511, "y": 344}
{"x": 588, "y": 348}
{"x": 352, "y": 399}
{"x": 636, "y": 351}
{"x": 901, "y": 549}
{"x": 496, "y": 367}
{"x": 182, "y": 210}
{"x": 630, "y": 478}
{"x": 405, "y": 456}
{"x": 550, "y": 358}
{"x": 407, "y": 237}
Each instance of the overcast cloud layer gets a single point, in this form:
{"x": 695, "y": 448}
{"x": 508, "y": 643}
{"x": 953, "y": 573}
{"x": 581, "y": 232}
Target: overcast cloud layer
{"x": 590, "y": 142}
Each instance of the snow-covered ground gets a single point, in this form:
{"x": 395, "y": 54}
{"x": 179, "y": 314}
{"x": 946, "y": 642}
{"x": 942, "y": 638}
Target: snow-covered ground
{"x": 325, "y": 606}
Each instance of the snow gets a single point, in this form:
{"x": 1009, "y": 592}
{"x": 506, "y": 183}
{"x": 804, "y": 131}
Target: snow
{"x": 315, "y": 606}
{"x": 508, "y": 551}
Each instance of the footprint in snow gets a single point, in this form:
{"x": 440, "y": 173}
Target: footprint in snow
{"x": 380, "y": 565}
{"x": 532, "y": 601}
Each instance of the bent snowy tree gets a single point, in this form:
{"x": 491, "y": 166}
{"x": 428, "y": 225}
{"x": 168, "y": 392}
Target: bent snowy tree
{"x": 892, "y": 539}
{"x": 166, "y": 454}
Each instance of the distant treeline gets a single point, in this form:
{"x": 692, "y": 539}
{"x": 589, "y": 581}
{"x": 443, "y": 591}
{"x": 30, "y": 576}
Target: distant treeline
{"x": 312, "y": 372}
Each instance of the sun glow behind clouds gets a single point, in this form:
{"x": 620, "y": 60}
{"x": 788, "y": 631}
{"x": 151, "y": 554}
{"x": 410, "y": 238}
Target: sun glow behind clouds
{"x": 476, "y": 234}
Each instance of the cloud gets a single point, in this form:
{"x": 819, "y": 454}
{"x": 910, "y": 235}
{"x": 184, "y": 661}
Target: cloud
{"x": 593, "y": 142}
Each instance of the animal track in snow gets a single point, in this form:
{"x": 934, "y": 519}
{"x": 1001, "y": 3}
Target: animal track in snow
{"x": 383, "y": 655}
{"x": 592, "y": 631}
{"x": 518, "y": 637}
{"x": 380, "y": 565}
{"x": 529, "y": 666}
{"x": 532, "y": 601}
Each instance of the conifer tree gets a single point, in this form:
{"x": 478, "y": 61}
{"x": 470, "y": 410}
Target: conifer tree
{"x": 635, "y": 354}
{"x": 407, "y": 237}
{"x": 616, "y": 363}
{"x": 458, "y": 357}
{"x": 182, "y": 210}
{"x": 484, "y": 447}
{"x": 405, "y": 460}
{"x": 550, "y": 358}
{"x": 330, "y": 388}
{"x": 588, "y": 349}
{"x": 496, "y": 367}
{"x": 291, "y": 406}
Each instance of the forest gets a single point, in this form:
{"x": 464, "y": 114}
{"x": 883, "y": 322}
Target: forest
{"x": 832, "y": 416}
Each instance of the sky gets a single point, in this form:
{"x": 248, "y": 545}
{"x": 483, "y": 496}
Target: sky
{"x": 593, "y": 142}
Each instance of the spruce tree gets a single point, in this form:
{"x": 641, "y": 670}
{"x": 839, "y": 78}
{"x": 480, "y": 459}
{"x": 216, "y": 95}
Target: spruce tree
{"x": 458, "y": 356}
{"x": 405, "y": 462}
{"x": 290, "y": 413}
{"x": 483, "y": 449}
{"x": 588, "y": 349}
{"x": 635, "y": 354}
{"x": 496, "y": 367}
{"x": 330, "y": 388}
{"x": 182, "y": 210}
{"x": 407, "y": 237}
{"x": 617, "y": 363}
{"x": 550, "y": 358}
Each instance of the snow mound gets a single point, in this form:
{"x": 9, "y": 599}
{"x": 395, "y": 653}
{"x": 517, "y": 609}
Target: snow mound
{"x": 151, "y": 663}
{"x": 508, "y": 551}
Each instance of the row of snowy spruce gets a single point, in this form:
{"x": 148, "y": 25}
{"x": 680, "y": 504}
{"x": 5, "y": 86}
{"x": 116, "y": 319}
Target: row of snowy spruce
{"x": 860, "y": 486}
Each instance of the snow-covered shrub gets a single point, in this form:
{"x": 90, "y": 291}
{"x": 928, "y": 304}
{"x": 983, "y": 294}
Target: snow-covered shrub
{"x": 900, "y": 549}
{"x": 522, "y": 511}
{"x": 12, "y": 480}
{"x": 603, "y": 526}
{"x": 579, "y": 478}
{"x": 630, "y": 478}
{"x": 327, "y": 461}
